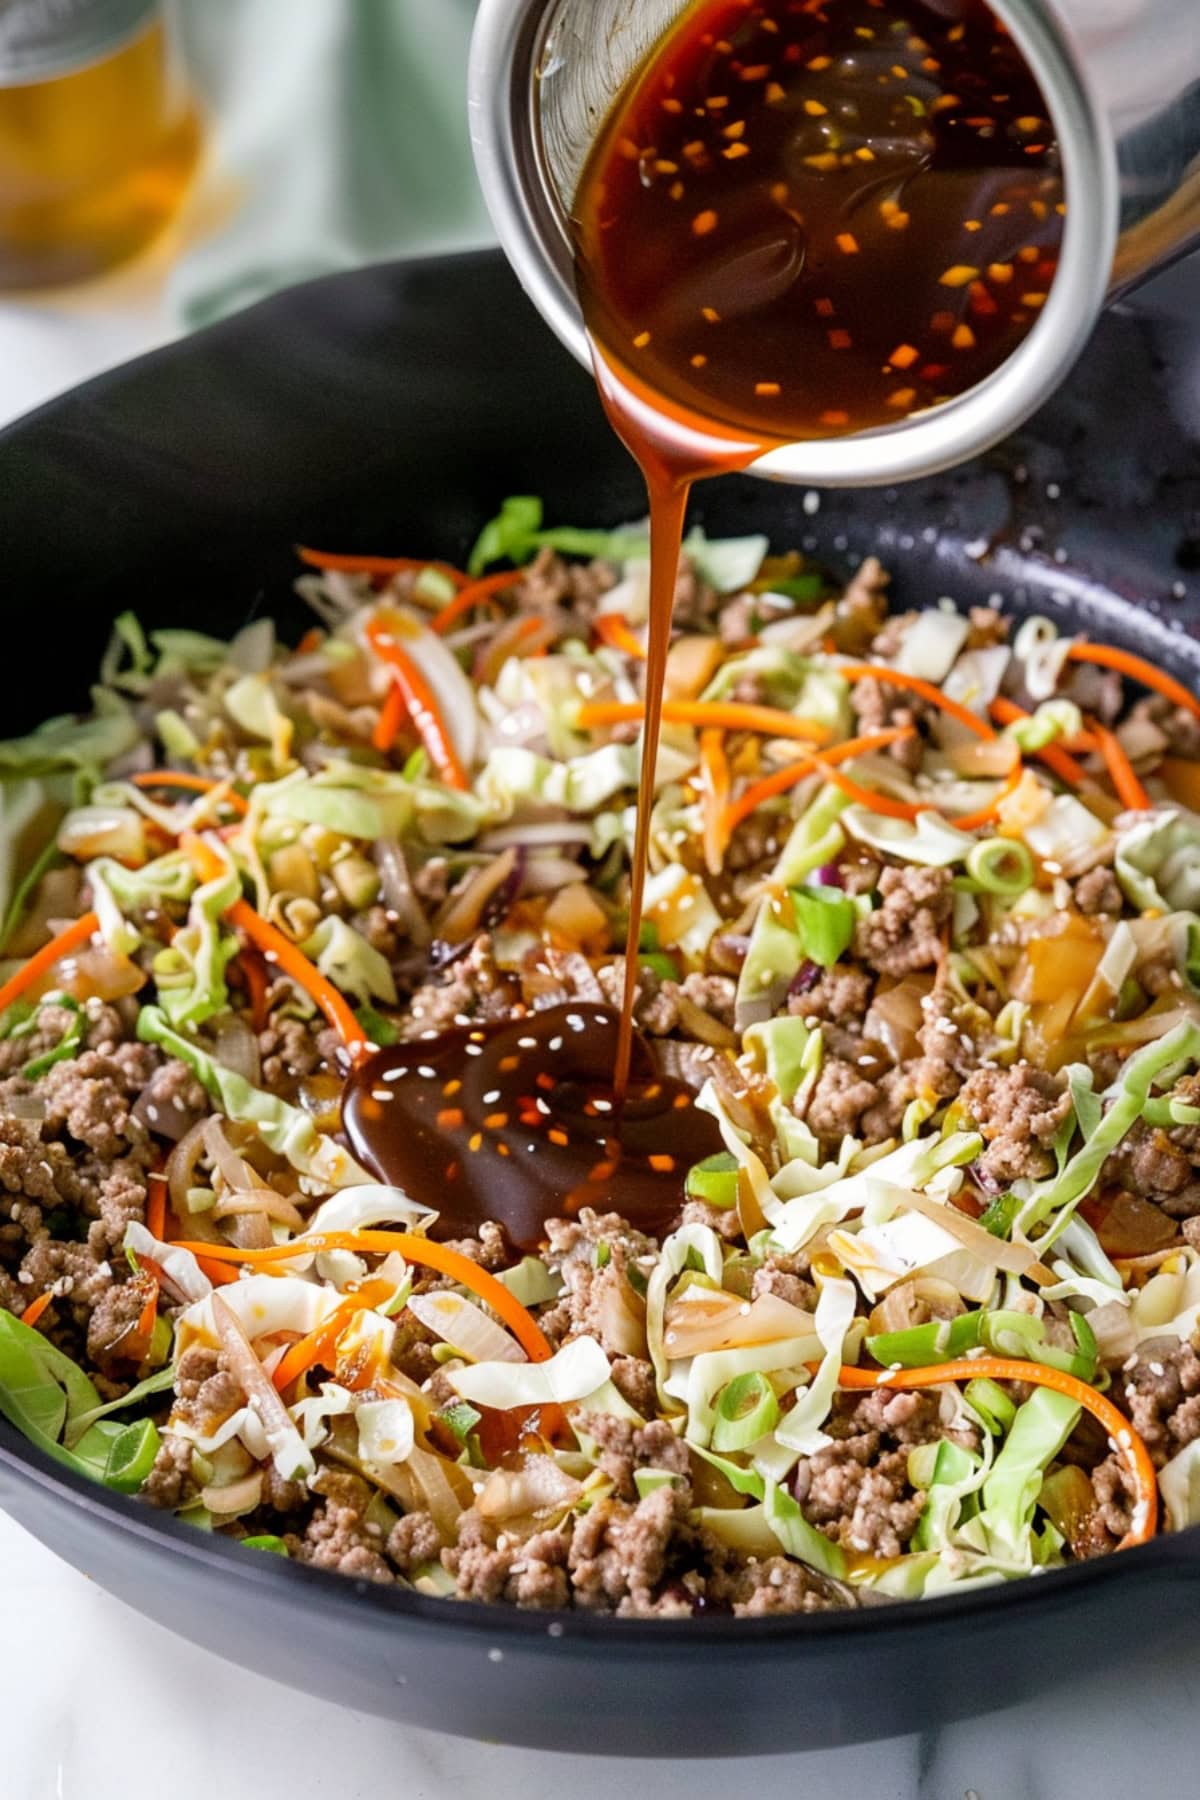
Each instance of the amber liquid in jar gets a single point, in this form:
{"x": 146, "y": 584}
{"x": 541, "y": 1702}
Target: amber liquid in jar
{"x": 93, "y": 163}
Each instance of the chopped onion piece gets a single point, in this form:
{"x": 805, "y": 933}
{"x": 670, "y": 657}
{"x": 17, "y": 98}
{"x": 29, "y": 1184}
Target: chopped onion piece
{"x": 460, "y": 1322}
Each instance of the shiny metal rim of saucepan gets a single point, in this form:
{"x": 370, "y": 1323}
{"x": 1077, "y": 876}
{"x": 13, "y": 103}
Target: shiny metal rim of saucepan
{"x": 512, "y": 41}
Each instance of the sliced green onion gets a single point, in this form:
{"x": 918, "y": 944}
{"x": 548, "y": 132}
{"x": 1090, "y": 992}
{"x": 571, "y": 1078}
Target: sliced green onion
{"x": 131, "y": 1457}
{"x": 275, "y": 1546}
{"x": 825, "y": 921}
{"x": 603, "y": 1253}
{"x": 715, "y": 1181}
{"x": 660, "y": 964}
{"x": 381, "y": 1031}
{"x": 941, "y": 1340}
{"x": 199, "y": 1200}
{"x": 648, "y": 1481}
{"x": 746, "y": 1410}
{"x": 161, "y": 1339}
{"x": 987, "y": 1399}
{"x": 1000, "y": 1217}
{"x": 460, "y": 1419}
{"x": 1000, "y": 866}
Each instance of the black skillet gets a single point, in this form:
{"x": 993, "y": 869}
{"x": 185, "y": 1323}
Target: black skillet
{"x": 391, "y": 410}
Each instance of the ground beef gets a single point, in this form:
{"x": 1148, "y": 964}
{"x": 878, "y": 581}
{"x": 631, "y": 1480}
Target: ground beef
{"x": 691, "y": 1064}
{"x": 78, "y": 1276}
{"x": 88, "y": 1099}
{"x": 838, "y": 1100}
{"x": 856, "y": 1490}
{"x": 289, "y": 1051}
{"x": 596, "y": 1302}
{"x": 170, "y": 1483}
{"x": 1161, "y": 1396}
{"x": 618, "y": 1554}
{"x": 337, "y": 1535}
{"x": 414, "y": 1540}
{"x": 633, "y": 1378}
{"x": 1151, "y": 1164}
{"x": 531, "y": 1573}
{"x": 842, "y": 994}
{"x": 760, "y": 1588}
{"x": 472, "y": 988}
{"x": 281, "y": 1495}
{"x": 905, "y": 933}
{"x": 775, "y": 1279}
{"x": 490, "y": 1249}
{"x": 862, "y": 609}
{"x": 723, "y": 1220}
{"x": 116, "y": 1316}
{"x": 754, "y": 842}
{"x": 713, "y": 994}
{"x": 625, "y": 1447}
{"x": 949, "y": 1036}
{"x": 1098, "y": 893}
{"x": 206, "y": 1392}
{"x": 1180, "y": 728}
{"x": 879, "y": 706}
{"x": 1019, "y": 1112}
{"x": 889, "y": 640}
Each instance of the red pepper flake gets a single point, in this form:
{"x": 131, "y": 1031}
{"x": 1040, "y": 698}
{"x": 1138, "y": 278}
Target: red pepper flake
{"x": 629, "y": 150}
{"x": 676, "y": 190}
{"x": 507, "y": 1065}
{"x": 815, "y": 110}
{"x": 733, "y": 151}
{"x": 475, "y": 1141}
{"x": 774, "y": 93}
{"x": 662, "y": 1165}
{"x": 704, "y": 222}
{"x": 602, "y": 1171}
{"x": 503, "y": 1150}
{"x": 495, "y": 1121}
{"x": 835, "y": 417}
{"x": 558, "y": 1137}
{"x": 847, "y": 243}
{"x": 545, "y": 1082}
{"x": 450, "y": 1118}
{"x": 755, "y": 72}
{"x": 902, "y": 397}
{"x": 964, "y": 338}
{"x": 1028, "y": 253}
{"x": 641, "y": 340}
{"x": 451, "y": 1088}
{"x": 903, "y": 356}
{"x": 664, "y": 167}
{"x": 957, "y": 275}
{"x": 711, "y": 314}
{"x": 1034, "y": 300}
{"x": 680, "y": 1101}
{"x": 824, "y": 308}
{"x": 699, "y": 361}
{"x": 736, "y": 130}
{"x": 1000, "y": 273}
{"x": 672, "y": 106}
{"x": 839, "y": 339}
{"x": 767, "y": 390}
{"x": 817, "y": 63}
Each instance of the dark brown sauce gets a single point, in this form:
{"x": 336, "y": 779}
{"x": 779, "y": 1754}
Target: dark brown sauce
{"x": 803, "y": 218}
{"x": 516, "y": 1122}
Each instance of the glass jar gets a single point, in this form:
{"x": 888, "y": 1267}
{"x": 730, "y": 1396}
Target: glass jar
{"x": 98, "y": 136}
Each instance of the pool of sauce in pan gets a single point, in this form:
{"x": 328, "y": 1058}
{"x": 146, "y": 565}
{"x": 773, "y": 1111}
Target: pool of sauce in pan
{"x": 802, "y": 219}
{"x": 517, "y": 1122}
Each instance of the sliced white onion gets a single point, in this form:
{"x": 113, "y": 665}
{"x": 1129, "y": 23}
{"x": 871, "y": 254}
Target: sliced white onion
{"x": 398, "y": 893}
{"x": 264, "y": 1201}
{"x": 704, "y": 1319}
{"x": 236, "y": 1497}
{"x": 237, "y": 1049}
{"x": 572, "y": 1373}
{"x": 292, "y": 1458}
{"x": 541, "y": 1486}
{"x": 358, "y": 1208}
{"x": 386, "y": 1432}
{"x": 460, "y": 1322}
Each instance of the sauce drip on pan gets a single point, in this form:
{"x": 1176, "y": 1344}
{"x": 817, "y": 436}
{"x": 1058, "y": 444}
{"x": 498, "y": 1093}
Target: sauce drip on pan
{"x": 516, "y": 1122}
{"x": 803, "y": 218}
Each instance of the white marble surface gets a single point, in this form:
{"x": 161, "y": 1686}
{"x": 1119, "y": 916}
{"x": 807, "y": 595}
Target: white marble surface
{"x": 164, "y": 1717}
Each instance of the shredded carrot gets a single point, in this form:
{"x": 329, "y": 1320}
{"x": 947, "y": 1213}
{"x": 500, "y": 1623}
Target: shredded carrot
{"x": 320, "y": 1345}
{"x": 219, "y": 1273}
{"x": 392, "y": 715}
{"x": 999, "y": 1368}
{"x": 878, "y": 803}
{"x": 422, "y": 706}
{"x": 781, "y": 779}
{"x": 146, "y": 1320}
{"x": 613, "y": 629}
{"x": 925, "y": 689}
{"x": 254, "y": 973}
{"x": 1136, "y": 668}
{"x": 1129, "y": 790}
{"x": 714, "y": 797}
{"x": 156, "y": 1206}
{"x": 312, "y": 640}
{"x": 475, "y": 593}
{"x": 522, "y": 1324}
{"x": 200, "y": 784}
{"x": 281, "y": 951}
{"x": 725, "y": 715}
{"x": 44, "y": 959}
{"x": 377, "y": 565}
{"x": 1059, "y": 761}
{"x": 36, "y": 1308}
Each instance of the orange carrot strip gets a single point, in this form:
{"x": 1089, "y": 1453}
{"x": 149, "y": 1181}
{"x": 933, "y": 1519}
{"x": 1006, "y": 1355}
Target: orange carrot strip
{"x": 613, "y": 629}
{"x": 200, "y": 784}
{"x": 147, "y": 1317}
{"x": 781, "y": 779}
{"x": 44, "y": 959}
{"x": 714, "y": 797}
{"x": 726, "y": 715}
{"x": 254, "y": 973}
{"x": 391, "y": 716}
{"x": 1059, "y": 761}
{"x": 36, "y": 1308}
{"x": 878, "y": 803}
{"x": 218, "y": 1272}
{"x": 1000, "y": 1368}
{"x": 522, "y": 1324}
{"x": 320, "y": 1344}
{"x": 377, "y": 565}
{"x": 1129, "y": 790}
{"x": 156, "y": 1206}
{"x": 1136, "y": 668}
{"x": 421, "y": 704}
{"x": 279, "y": 950}
{"x": 915, "y": 685}
{"x": 475, "y": 593}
